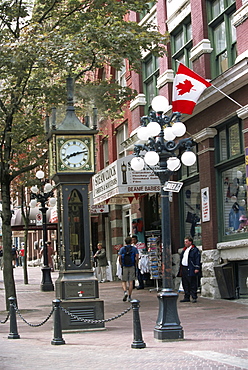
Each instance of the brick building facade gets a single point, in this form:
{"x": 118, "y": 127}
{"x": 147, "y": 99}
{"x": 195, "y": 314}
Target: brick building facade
{"x": 210, "y": 38}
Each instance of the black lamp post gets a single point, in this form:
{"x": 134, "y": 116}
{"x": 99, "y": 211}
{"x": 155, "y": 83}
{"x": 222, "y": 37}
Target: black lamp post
{"x": 41, "y": 195}
{"x": 164, "y": 156}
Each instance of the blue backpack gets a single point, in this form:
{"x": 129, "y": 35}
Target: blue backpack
{"x": 128, "y": 256}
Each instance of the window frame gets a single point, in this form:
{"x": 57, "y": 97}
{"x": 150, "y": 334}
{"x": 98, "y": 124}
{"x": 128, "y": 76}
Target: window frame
{"x": 121, "y": 152}
{"x": 185, "y": 49}
{"x": 225, "y": 17}
{"x": 222, "y": 165}
{"x": 150, "y": 78}
{"x": 105, "y": 152}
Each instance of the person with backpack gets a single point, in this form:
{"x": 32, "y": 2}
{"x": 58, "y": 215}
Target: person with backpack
{"x": 128, "y": 258}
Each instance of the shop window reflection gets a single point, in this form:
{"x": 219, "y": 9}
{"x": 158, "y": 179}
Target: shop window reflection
{"x": 192, "y": 212}
{"x": 235, "y": 200}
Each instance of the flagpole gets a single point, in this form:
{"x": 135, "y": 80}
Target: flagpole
{"x": 234, "y": 101}
{"x": 216, "y": 88}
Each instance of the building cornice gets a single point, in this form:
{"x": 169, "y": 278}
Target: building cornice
{"x": 240, "y": 15}
{"x": 176, "y": 18}
{"x": 140, "y": 99}
{"x": 203, "y": 47}
{"x": 243, "y": 112}
{"x": 206, "y": 133}
{"x": 165, "y": 78}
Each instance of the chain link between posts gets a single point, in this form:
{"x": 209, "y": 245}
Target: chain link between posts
{"x": 4, "y": 321}
{"x": 90, "y": 321}
{"x": 34, "y": 325}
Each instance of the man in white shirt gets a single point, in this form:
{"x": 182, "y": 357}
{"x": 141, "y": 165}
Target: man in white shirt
{"x": 190, "y": 268}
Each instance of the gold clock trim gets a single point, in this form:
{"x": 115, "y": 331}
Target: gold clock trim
{"x": 87, "y": 140}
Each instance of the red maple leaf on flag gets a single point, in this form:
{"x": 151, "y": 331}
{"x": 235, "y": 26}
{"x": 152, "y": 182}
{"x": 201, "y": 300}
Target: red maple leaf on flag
{"x": 184, "y": 87}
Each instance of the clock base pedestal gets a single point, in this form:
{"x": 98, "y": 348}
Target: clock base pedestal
{"x": 79, "y": 295}
{"x": 88, "y": 309}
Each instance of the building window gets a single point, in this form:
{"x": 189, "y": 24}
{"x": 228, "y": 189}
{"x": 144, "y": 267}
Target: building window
{"x": 190, "y": 203}
{"x": 192, "y": 212}
{"x": 181, "y": 43}
{"x": 120, "y": 76}
{"x": 150, "y": 4}
{"x": 231, "y": 175}
{"x": 121, "y": 136}
{"x": 126, "y": 222}
{"x": 234, "y": 200}
{"x": 105, "y": 153}
{"x": 150, "y": 76}
{"x": 222, "y": 34}
{"x": 230, "y": 141}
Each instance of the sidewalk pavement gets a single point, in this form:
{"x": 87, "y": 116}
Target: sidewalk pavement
{"x": 215, "y": 333}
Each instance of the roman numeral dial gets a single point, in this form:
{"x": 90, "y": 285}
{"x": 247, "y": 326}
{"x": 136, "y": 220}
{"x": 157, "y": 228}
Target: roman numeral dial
{"x": 74, "y": 154}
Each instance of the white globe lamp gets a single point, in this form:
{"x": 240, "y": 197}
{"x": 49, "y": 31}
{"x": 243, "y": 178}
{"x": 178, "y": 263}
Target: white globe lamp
{"x": 173, "y": 164}
{"x": 151, "y": 158}
{"x": 143, "y": 133}
{"x": 153, "y": 128}
{"x": 34, "y": 189}
{"x": 160, "y": 103}
{"x": 188, "y": 158}
{"x": 137, "y": 163}
{"x": 33, "y": 203}
{"x": 52, "y": 201}
{"x": 48, "y": 187}
{"x": 168, "y": 134}
{"x": 179, "y": 128}
{"x": 40, "y": 174}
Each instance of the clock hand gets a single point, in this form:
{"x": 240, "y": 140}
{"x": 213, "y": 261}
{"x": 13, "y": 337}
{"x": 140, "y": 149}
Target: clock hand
{"x": 74, "y": 154}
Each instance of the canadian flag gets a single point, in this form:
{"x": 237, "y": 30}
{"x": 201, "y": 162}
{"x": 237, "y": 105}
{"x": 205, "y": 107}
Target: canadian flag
{"x": 187, "y": 88}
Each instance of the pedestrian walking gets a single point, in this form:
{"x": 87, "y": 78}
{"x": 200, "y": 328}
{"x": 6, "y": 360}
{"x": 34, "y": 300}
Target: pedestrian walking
{"x": 50, "y": 254}
{"x": 14, "y": 256}
{"x": 189, "y": 269}
{"x": 128, "y": 258}
{"x": 102, "y": 263}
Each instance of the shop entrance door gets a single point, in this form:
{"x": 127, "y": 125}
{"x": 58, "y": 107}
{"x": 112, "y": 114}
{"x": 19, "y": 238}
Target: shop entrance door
{"x": 126, "y": 221}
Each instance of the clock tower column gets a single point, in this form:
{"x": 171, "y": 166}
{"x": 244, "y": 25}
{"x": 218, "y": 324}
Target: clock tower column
{"x": 71, "y": 161}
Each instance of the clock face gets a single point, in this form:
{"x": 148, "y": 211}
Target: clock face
{"x": 74, "y": 154}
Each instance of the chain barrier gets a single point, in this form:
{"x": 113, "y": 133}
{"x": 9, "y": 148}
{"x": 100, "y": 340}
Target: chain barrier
{"x": 95, "y": 321}
{"x": 4, "y": 321}
{"x": 33, "y": 325}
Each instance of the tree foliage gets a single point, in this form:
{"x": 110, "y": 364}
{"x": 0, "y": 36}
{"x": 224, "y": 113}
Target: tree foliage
{"x": 41, "y": 43}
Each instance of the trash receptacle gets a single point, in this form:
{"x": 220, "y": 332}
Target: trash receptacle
{"x": 226, "y": 280}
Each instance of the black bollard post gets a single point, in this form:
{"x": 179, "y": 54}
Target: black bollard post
{"x": 137, "y": 334}
{"x": 57, "y": 324}
{"x": 13, "y": 325}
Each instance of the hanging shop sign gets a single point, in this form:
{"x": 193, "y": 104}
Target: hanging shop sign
{"x": 99, "y": 208}
{"x": 120, "y": 178}
{"x": 205, "y": 204}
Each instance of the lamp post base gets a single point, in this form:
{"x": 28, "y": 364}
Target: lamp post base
{"x": 46, "y": 283}
{"x": 168, "y": 325}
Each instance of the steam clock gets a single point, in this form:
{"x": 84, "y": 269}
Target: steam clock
{"x": 71, "y": 160}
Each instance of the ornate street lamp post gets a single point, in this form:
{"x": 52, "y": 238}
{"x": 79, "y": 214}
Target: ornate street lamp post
{"x": 41, "y": 195}
{"x": 164, "y": 156}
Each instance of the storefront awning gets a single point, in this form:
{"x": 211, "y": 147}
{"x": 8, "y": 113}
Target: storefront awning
{"x": 120, "y": 179}
{"x": 17, "y": 222}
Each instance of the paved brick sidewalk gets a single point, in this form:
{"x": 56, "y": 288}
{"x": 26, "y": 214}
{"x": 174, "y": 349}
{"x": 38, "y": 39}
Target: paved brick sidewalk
{"x": 215, "y": 333}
